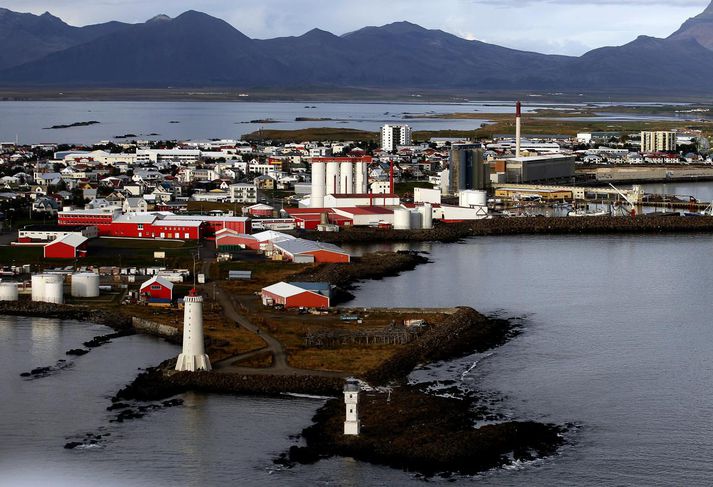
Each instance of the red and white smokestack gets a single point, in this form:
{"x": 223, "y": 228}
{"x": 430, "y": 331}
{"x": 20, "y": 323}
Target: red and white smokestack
{"x": 518, "y": 127}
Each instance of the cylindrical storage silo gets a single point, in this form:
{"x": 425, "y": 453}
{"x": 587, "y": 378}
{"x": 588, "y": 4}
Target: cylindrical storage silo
{"x": 360, "y": 178}
{"x": 8, "y": 291}
{"x": 481, "y": 198}
{"x": 54, "y": 289}
{"x": 38, "y": 287}
{"x": 416, "y": 220}
{"x": 427, "y": 213}
{"x": 402, "y": 219}
{"x": 319, "y": 182}
{"x": 332, "y": 177}
{"x": 346, "y": 185}
{"x": 85, "y": 285}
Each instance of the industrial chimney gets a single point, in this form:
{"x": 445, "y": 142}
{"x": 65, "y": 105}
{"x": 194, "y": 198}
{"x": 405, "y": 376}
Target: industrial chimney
{"x": 518, "y": 134}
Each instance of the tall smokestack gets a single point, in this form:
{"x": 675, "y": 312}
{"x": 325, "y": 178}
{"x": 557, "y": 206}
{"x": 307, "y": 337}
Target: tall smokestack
{"x": 391, "y": 177}
{"x": 518, "y": 134}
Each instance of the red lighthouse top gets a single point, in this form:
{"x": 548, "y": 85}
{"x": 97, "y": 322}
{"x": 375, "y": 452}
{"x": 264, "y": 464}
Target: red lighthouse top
{"x": 518, "y": 109}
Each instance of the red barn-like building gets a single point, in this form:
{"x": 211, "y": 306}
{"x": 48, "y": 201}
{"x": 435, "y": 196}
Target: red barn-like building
{"x": 322, "y": 252}
{"x": 227, "y": 240}
{"x": 158, "y": 290}
{"x": 293, "y": 296}
{"x": 68, "y": 247}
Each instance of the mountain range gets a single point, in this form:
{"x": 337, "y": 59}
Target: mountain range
{"x": 197, "y": 50}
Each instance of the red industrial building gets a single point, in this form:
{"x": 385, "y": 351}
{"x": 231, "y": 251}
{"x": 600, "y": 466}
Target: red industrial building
{"x": 227, "y": 240}
{"x": 213, "y": 224}
{"x": 310, "y": 218}
{"x": 68, "y": 247}
{"x": 153, "y": 225}
{"x": 102, "y": 219}
{"x": 297, "y": 295}
{"x": 158, "y": 290}
{"x": 260, "y": 210}
{"x": 320, "y": 251}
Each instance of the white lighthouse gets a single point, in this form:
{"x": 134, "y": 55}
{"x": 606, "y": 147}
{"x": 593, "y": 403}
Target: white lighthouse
{"x": 193, "y": 357}
{"x": 352, "y": 425}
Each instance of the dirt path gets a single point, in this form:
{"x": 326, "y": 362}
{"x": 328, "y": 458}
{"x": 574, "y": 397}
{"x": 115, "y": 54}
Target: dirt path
{"x": 279, "y": 361}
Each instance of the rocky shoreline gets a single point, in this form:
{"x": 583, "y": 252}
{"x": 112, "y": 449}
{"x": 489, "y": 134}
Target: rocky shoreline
{"x": 116, "y": 321}
{"x": 422, "y": 433}
{"x": 414, "y": 430}
{"x": 454, "y": 232}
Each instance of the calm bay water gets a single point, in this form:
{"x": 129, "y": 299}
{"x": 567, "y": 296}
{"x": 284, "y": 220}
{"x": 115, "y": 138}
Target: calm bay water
{"x": 617, "y": 339}
{"x": 203, "y": 120}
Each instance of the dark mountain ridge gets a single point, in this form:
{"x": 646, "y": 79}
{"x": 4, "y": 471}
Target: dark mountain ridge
{"x": 195, "y": 49}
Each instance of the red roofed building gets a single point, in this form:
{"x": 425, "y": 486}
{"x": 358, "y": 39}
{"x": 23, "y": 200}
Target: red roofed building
{"x": 227, "y": 240}
{"x": 68, "y": 247}
{"x": 158, "y": 290}
{"x": 364, "y": 199}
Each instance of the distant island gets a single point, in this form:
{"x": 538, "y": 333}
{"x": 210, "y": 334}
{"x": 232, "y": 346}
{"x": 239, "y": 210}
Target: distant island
{"x": 75, "y": 124}
{"x": 313, "y": 119}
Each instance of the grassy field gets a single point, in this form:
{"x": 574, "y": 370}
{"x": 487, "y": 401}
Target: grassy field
{"x": 321, "y": 134}
{"x": 16, "y": 255}
{"x": 127, "y": 252}
{"x": 108, "y": 252}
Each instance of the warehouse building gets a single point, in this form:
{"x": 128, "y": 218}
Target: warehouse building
{"x": 68, "y": 247}
{"x": 537, "y": 169}
{"x": 297, "y": 295}
{"x": 47, "y": 233}
{"x": 304, "y": 250}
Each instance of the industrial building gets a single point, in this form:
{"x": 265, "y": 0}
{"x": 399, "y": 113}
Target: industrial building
{"x": 395, "y": 135}
{"x": 227, "y": 240}
{"x": 338, "y": 175}
{"x": 47, "y": 233}
{"x": 70, "y": 246}
{"x": 297, "y": 295}
{"x": 299, "y": 249}
{"x": 536, "y": 169}
{"x": 152, "y": 225}
{"x": 468, "y": 169}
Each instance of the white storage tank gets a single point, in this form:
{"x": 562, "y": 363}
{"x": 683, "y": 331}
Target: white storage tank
{"x": 85, "y": 285}
{"x": 471, "y": 198}
{"x": 416, "y": 220}
{"x": 402, "y": 219}
{"x": 38, "y": 287}
{"x": 53, "y": 288}
{"x": 427, "y": 213}
{"x": 8, "y": 291}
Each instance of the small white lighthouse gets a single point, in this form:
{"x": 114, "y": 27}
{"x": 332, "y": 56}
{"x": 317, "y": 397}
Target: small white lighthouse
{"x": 352, "y": 425}
{"x": 193, "y": 357}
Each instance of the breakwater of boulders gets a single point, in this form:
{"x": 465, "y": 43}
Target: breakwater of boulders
{"x": 462, "y": 333}
{"x": 411, "y": 429}
{"x": 453, "y": 232}
{"x": 422, "y": 433}
{"x": 113, "y": 320}
{"x": 162, "y": 382}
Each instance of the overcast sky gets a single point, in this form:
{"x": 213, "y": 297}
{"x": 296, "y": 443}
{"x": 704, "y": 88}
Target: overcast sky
{"x": 550, "y": 26}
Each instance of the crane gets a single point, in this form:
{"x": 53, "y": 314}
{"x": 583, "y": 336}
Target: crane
{"x": 632, "y": 205}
